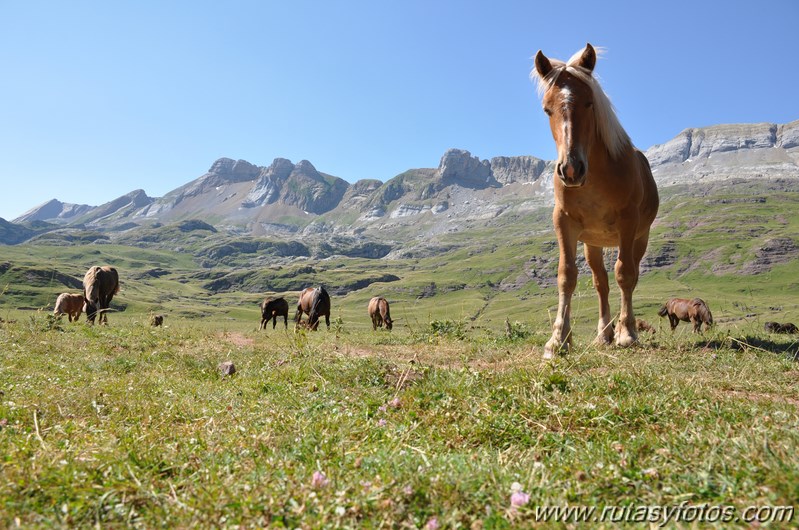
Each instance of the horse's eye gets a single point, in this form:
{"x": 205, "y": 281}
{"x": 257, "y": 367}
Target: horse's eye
{"x": 548, "y": 112}
{"x": 589, "y": 104}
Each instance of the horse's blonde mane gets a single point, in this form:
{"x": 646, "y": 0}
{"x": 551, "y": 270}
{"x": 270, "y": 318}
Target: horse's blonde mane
{"x": 608, "y": 127}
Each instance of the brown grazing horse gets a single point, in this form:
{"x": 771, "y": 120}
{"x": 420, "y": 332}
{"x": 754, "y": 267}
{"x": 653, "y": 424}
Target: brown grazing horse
{"x": 100, "y": 284}
{"x": 69, "y": 304}
{"x": 605, "y": 195}
{"x": 694, "y": 310}
{"x": 156, "y": 320}
{"x": 315, "y": 302}
{"x": 271, "y": 308}
{"x": 379, "y": 313}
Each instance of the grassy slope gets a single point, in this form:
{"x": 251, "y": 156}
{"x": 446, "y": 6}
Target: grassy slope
{"x": 136, "y": 426}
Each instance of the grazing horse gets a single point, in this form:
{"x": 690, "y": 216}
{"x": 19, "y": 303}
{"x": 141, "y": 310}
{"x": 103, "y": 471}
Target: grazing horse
{"x": 271, "y": 308}
{"x": 100, "y": 284}
{"x": 156, "y": 320}
{"x": 694, "y": 310}
{"x": 605, "y": 195}
{"x": 379, "y": 313}
{"x": 69, "y": 304}
{"x": 316, "y": 303}
{"x": 776, "y": 327}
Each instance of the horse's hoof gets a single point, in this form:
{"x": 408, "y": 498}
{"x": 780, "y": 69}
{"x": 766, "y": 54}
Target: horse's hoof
{"x": 603, "y": 340}
{"x": 625, "y": 340}
{"x": 554, "y": 347}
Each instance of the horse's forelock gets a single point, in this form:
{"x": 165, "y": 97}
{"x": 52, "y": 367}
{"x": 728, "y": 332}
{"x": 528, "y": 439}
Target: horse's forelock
{"x": 608, "y": 126}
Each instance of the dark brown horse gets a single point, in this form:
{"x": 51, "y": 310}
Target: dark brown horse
{"x": 69, "y": 304}
{"x": 315, "y": 302}
{"x": 776, "y": 327}
{"x": 605, "y": 195}
{"x": 100, "y": 284}
{"x": 379, "y": 313}
{"x": 271, "y": 308}
{"x": 693, "y": 310}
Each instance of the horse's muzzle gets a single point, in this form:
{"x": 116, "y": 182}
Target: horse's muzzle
{"x": 571, "y": 173}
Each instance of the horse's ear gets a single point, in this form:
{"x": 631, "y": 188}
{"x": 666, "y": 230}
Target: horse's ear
{"x": 542, "y": 64}
{"x": 588, "y": 58}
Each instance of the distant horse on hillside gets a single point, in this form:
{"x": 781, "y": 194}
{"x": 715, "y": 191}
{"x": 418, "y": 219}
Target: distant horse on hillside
{"x": 271, "y": 308}
{"x": 69, "y": 304}
{"x": 379, "y": 313}
{"x": 315, "y": 302}
{"x": 605, "y": 195}
{"x": 694, "y": 310}
{"x": 100, "y": 284}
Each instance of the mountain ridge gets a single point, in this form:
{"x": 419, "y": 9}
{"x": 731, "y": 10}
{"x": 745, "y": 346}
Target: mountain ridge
{"x": 464, "y": 191}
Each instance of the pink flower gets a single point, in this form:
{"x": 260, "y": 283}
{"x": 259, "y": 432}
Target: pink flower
{"x": 319, "y": 480}
{"x": 396, "y": 403}
{"x": 519, "y": 499}
{"x": 382, "y": 422}
{"x": 432, "y": 524}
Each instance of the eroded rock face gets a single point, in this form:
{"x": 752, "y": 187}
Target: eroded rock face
{"x": 460, "y": 167}
{"x": 701, "y": 143}
{"x": 510, "y": 169}
{"x": 772, "y": 252}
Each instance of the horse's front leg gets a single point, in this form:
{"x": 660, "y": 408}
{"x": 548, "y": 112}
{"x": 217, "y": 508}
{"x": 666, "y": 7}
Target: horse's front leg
{"x": 567, "y": 281}
{"x": 593, "y": 255}
{"x": 631, "y": 251}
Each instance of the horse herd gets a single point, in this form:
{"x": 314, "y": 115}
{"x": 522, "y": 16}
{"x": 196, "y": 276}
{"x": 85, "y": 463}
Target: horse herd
{"x": 100, "y": 284}
{"x": 315, "y": 302}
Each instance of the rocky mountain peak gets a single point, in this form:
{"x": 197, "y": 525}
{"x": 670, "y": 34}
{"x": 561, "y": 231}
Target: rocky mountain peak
{"x": 460, "y": 167}
{"x": 229, "y": 170}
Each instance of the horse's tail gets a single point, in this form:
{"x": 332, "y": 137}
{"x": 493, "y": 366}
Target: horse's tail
{"x": 316, "y": 299}
{"x": 91, "y": 285}
{"x": 663, "y": 311}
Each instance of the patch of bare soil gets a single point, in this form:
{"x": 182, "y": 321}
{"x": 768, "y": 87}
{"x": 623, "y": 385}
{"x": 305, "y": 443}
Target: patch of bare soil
{"x": 237, "y": 339}
{"x": 761, "y": 396}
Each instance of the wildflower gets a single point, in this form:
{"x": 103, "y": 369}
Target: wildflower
{"x": 519, "y": 499}
{"x": 432, "y": 524}
{"x": 395, "y": 403}
{"x": 382, "y": 422}
{"x": 650, "y": 472}
{"x": 319, "y": 480}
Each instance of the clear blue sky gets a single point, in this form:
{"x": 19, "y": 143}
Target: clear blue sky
{"x": 101, "y": 98}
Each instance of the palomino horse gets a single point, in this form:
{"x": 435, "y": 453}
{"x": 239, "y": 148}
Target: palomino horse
{"x": 693, "y": 310}
{"x": 316, "y": 303}
{"x": 605, "y": 195}
{"x": 379, "y": 313}
{"x": 100, "y": 284}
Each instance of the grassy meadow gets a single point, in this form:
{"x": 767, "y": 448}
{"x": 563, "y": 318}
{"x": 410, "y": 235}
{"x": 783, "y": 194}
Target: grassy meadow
{"x": 129, "y": 425}
{"x": 451, "y": 420}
